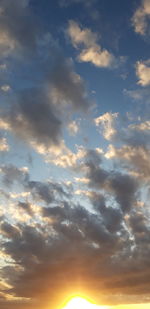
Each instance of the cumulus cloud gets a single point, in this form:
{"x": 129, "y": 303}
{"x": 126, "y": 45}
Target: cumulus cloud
{"x": 11, "y": 174}
{"x": 4, "y": 145}
{"x": 143, "y": 72}
{"x": 88, "y": 231}
{"x": 5, "y": 88}
{"x": 67, "y": 87}
{"x": 33, "y": 113}
{"x": 122, "y": 186}
{"x": 66, "y": 158}
{"x": 91, "y": 51}
{"x": 73, "y": 128}
{"x": 106, "y": 124}
{"x": 22, "y": 39}
{"x": 136, "y": 156}
{"x": 61, "y": 239}
{"x": 36, "y": 114}
{"x": 141, "y": 18}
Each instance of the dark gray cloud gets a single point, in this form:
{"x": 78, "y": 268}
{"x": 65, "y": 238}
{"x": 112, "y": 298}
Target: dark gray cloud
{"x": 36, "y": 113}
{"x": 78, "y": 250}
{"x": 89, "y": 249}
{"x": 69, "y": 87}
{"x": 26, "y": 206}
{"x": 122, "y": 186}
{"x": 111, "y": 216}
{"x": 47, "y": 192}
{"x": 12, "y": 174}
{"x": 70, "y": 246}
{"x": 33, "y": 119}
{"x": 18, "y": 27}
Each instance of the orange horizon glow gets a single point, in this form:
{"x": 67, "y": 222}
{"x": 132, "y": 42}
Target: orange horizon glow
{"x": 81, "y": 302}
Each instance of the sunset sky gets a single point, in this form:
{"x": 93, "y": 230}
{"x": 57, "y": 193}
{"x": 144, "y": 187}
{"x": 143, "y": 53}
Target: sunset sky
{"x": 74, "y": 153}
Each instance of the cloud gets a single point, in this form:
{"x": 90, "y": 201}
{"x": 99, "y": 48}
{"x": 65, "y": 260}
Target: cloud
{"x": 91, "y": 51}
{"x": 141, "y": 94}
{"x": 136, "y": 156}
{"x": 143, "y": 126}
{"x": 106, "y": 122}
{"x": 143, "y": 72}
{"x": 36, "y": 114}
{"x": 4, "y": 125}
{"x": 90, "y": 231}
{"x": 11, "y": 174}
{"x": 141, "y": 18}
{"x": 68, "y": 243}
{"x": 33, "y": 113}
{"x": 73, "y": 128}
{"x": 68, "y": 88}
{"x": 13, "y": 38}
{"x": 5, "y": 88}
{"x": 66, "y": 158}
{"x": 4, "y": 145}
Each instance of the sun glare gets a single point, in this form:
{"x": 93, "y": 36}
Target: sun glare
{"x": 78, "y": 302}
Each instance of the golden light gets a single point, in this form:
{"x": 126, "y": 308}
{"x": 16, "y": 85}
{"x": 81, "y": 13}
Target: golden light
{"x": 78, "y": 302}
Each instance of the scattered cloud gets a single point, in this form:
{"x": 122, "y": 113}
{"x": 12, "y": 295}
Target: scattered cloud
{"x": 143, "y": 126}
{"x": 136, "y": 156}
{"x": 5, "y": 88}
{"x": 78, "y": 218}
{"x": 106, "y": 125}
{"x": 141, "y": 18}
{"x": 67, "y": 87}
{"x": 91, "y": 51}
{"x": 143, "y": 72}
{"x": 73, "y": 128}
{"x": 37, "y": 117}
{"x": 4, "y": 145}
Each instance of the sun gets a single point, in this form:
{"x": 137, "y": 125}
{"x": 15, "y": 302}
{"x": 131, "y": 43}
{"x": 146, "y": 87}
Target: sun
{"x": 78, "y": 302}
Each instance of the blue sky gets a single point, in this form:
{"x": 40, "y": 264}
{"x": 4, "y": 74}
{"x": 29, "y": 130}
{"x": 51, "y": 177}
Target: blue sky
{"x": 75, "y": 152}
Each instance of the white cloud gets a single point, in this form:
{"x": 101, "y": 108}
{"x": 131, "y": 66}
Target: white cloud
{"x": 91, "y": 51}
{"x": 73, "y": 128}
{"x": 4, "y": 125}
{"x": 100, "y": 58}
{"x": 3, "y": 145}
{"x": 143, "y": 72}
{"x": 137, "y": 158}
{"x": 63, "y": 157}
{"x": 106, "y": 122}
{"x": 5, "y": 88}
{"x": 140, "y": 18}
{"x": 143, "y": 126}
{"x": 7, "y": 44}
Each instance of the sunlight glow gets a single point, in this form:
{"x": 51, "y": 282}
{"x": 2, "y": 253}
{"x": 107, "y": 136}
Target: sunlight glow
{"x": 78, "y": 302}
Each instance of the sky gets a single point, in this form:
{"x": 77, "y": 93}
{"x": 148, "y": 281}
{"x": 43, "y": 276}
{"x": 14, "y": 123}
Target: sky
{"x": 74, "y": 153}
